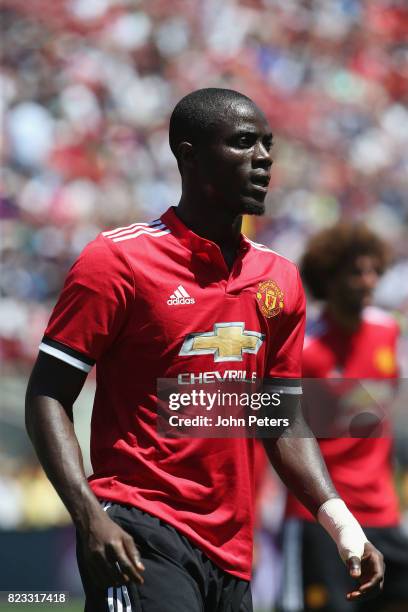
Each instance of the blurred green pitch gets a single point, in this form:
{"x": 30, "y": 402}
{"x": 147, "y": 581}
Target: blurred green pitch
{"x": 75, "y": 605}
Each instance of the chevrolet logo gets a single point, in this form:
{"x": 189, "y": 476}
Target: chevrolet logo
{"x": 227, "y": 342}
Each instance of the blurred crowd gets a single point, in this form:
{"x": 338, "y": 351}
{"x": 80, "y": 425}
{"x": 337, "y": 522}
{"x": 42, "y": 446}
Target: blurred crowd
{"x": 24, "y": 488}
{"x": 87, "y": 88}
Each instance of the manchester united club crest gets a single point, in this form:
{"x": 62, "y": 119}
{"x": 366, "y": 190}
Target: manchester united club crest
{"x": 270, "y": 298}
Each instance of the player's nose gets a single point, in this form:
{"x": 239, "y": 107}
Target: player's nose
{"x": 262, "y": 157}
{"x": 369, "y": 279}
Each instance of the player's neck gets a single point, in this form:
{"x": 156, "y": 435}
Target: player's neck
{"x": 349, "y": 322}
{"x": 218, "y": 226}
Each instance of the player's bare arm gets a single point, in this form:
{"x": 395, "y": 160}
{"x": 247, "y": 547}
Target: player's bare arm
{"x": 54, "y": 386}
{"x": 296, "y": 457}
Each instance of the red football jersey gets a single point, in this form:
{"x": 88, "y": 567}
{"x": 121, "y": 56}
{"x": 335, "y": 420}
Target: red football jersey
{"x": 361, "y": 468}
{"x": 131, "y": 304}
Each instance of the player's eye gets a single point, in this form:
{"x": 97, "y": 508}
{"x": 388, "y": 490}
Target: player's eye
{"x": 245, "y": 141}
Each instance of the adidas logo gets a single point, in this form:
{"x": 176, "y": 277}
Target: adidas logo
{"x": 180, "y": 296}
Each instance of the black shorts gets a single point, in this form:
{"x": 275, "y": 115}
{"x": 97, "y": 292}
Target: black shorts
{"x": 178, "y": 575}
{"x": 315, "y": 579}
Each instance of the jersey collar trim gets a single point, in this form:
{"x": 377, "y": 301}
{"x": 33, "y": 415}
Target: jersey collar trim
{"x": 196, "y": 244}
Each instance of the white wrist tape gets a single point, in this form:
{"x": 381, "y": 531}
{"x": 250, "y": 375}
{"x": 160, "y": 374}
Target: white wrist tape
{"x": 341, "y": 525}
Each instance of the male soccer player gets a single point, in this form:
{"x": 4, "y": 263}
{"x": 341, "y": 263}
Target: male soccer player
{"x": 186, "y": 295}
{"x": 350, "y": 340}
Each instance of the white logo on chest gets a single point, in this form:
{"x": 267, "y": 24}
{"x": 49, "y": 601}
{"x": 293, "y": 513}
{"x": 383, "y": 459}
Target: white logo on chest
{"x": 180, "y": 296}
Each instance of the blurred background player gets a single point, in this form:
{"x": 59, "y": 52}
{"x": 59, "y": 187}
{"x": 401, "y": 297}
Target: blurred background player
{"x": 350, "y": 340}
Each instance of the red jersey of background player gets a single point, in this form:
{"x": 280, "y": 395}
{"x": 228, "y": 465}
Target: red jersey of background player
{"x": 135, "y": 302}
{"x": 361, "y": 468}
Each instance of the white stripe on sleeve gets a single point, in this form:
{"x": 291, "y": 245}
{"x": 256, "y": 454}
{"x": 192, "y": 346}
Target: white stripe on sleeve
{"x": 59, "y": 354}
{"x": 284, "y": 389}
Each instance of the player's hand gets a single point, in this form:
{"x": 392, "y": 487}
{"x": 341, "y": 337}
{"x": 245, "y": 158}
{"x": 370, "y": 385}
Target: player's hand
{"x": 110, "y": 553}
{"x": 369, "y": 571}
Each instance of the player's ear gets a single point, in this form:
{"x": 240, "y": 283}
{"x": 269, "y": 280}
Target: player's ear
{"x": 186, "y": 154}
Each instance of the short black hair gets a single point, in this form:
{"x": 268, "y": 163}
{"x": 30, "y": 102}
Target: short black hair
{"x": 329, "y": 251}
{"x": 197, "y": 115}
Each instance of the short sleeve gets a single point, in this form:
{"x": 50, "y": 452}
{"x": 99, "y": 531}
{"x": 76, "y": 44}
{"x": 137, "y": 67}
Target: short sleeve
{"x": 92, "y": 307}
{"x": 284, "y": 364}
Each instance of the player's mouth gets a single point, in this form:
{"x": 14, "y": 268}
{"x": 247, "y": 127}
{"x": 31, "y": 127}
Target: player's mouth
{"x": 260, "y": 181}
